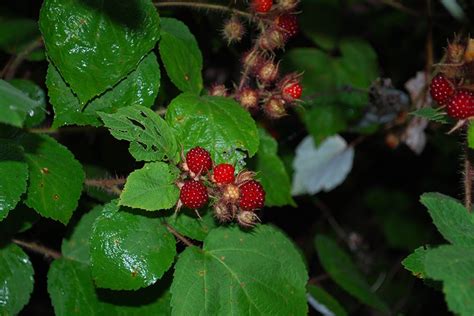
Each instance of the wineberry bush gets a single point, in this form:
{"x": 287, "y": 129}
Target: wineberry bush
{"x": 260, "y": 157}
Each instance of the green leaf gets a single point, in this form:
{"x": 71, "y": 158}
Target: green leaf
{"x": 151, "y": 188}
{"x": 454, "y": 265}
{"x": 25, "y": 33}
{"x": 188, "y": 224}
{"x": 129, "y": 250}
{"x": 470, "y": 136}
{"x": 72, "y": 292}
{"x": 272, "y": 173}
{"x": 56, "y": 177}
{"x": 451, "y": 218}
{"x": 34, "y": 92}
{"x": 76, "y": 246}
{"x": 15, "y": 105}
{"x": 150, "y": 137}
{"x": 218, "y": 124}
{"x": 181, "y": 55}
{"x": 328, "y": 302}
{"x": 432, "y": 114}
{"x": 96, "y": 43}
{"x": 324, "y": 120}
{"x": 16, "y": 279}
{"x": 343, "y": 271}
{"x": 239, "y": 273}
{"x": 140, "y": 87}
{"x": 13, "y": 176}
{"x": 415, "y": 263}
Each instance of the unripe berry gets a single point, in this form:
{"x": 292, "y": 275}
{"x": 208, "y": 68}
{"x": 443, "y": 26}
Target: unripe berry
{"x": 287, "y": 5}
{"x": 247, "y": 219}
{"x": 252, "y": 60}
{"x": 275, "y": 107}
{"x": 248, "y": 98}
{"x": 233, "y": 30}
{"x": 193, "y": 194}
{"x": 268, "y": 72}
{"x": 271, "y": 39}
{"x": 218, "y": 90}
{"x": 231, "y": 193}
{"x": 222, "y": 212}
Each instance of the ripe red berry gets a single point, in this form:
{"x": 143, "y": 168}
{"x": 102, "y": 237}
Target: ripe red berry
{"x": 198, "y": 160}
{"x": 292, "y": 91}
{"x": 224, "y": 173}
{"x": 261, "y": 6}
{"x": 441, "y": 89}
{"x": 288, "y": 23}
{"x": 461, "y": 105}
{"x": 193, "y": 194}
{"x": 252, "y": 196}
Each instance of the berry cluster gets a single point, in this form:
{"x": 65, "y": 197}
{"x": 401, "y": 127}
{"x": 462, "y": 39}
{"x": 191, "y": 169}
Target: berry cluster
{"x": 452, "y": 87}
{"x": 261, "y": 86}
{"x": 233, "y": 196}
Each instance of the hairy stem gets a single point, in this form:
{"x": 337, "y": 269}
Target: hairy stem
{"x": 206, "y": 6}
{"x": 108, "y": 184}
{"x": 35, "y": 247}
{"x": 18, "y": 60}
{"x": 178, "y": 236}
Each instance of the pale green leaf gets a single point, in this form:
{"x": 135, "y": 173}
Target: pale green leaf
{"x": 15, "y": 106}
{"x": 150, "y": 137}
{"x": 151, "y": 188}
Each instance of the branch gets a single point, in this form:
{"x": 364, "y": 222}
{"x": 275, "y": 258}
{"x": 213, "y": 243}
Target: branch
{"x": 180, "y": 237}
{"x": 468, "y": 175}
{"x": 108, "y": 184}
{"x": 397, "y": 5}
{"x": 207, "y": 6}
{"x": 18, "y": 60}
{"x": 35, "y": 247}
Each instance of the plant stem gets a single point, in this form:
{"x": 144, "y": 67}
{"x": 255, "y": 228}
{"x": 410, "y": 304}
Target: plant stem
{"x": 110, "y": 185}
{"x": 180, "y": 237}
{"x": 18, "y": 60}
{"x": 201, "y": 5}
{"x": 49, "y": 253}
{"x": 468, "y": 174}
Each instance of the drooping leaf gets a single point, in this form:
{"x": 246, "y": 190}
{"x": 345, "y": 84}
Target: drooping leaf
{"x": 140, "y": 87}
{"x": 218, "y": 124}
{"x": 15, "y": 106}
{"x": 272, "y": 173}
{"x": 321, "y": 168}
{"x": 76, "y": 246}
{"x": 324, "y": 302}
{"x": 326, "y": 118}
{"x": 129, "y": 250}
{"x": 16, "y": 279}
{"x": 55, "y": 177}
{"x": 239, "y": 273}
{"x": 454, "y": 266}
{"x": 415, "y": 263}
{"x": 451, "y": 218}
{"x": 181, "y": 55}
{"x": 34, "y": 92}
{"x": 343, "y": 271}
{"x": 150, "y": 137}
{"x": 73, "y": 292}
{"x": 151, "y": 188}
{"x": 96, "y": 43}
{"x": 187, "y": 223}
{"x": 13, "y": 176}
